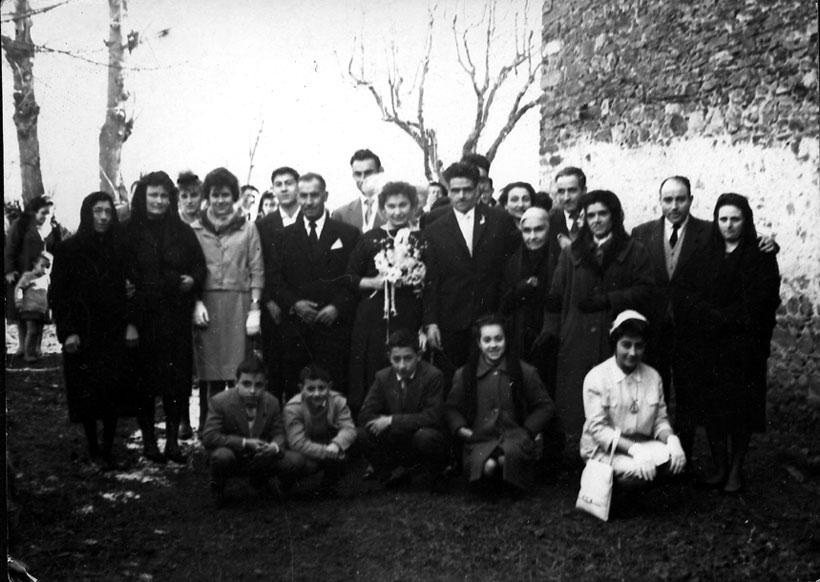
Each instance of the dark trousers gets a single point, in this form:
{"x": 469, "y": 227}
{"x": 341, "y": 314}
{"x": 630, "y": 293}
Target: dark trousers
{"x": 455, "y": 350}
{"x": 272, "y": 347}
{"x": 328, "y": 347}
{"x": 225, "y": 463}
{"x": 394, "y": 448}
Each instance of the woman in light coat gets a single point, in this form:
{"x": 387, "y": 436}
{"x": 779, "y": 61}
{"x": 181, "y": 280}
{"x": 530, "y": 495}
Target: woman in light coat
{"x": 229, "y": 310}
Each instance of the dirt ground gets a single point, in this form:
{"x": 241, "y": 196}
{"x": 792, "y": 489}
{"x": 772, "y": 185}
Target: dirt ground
{"x": 71, "y": 522}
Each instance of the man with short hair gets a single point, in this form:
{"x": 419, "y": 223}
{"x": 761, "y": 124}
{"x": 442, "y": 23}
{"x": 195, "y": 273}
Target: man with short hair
{"x": 363, "y": 213}
{"x": 565, "y": 219}
{"x": 674, "y": 241}
{"x": 400, "y": 420}
{"x": 467, "y": 249}
{"x": 284, "y": 185}
{"x": 308, "y": 283}
{"x": 245, "y": 434}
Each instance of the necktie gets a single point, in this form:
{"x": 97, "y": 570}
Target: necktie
{"x": 368, "y": 211}
{"x": 573, "y": 231}
{"x": 402, "y": 392}
{"x": 312, "y": 237}
{"x": 673, "y": 240}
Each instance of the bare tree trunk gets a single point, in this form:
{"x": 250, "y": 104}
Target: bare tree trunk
{"x": 117, "y": 127}
{"x": 20, "y": 55}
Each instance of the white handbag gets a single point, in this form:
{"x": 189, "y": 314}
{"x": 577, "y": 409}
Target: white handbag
{"x": 595, "y": 495}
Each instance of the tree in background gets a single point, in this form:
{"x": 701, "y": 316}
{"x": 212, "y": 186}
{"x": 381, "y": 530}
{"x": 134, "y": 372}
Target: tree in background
{"x": 475, "y": 44}
{"x": 20, "y": 56}
{"x": 117, "y": 126}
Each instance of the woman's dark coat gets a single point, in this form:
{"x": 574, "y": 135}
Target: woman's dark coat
{"x": 87, "y": 297}
{"x": 158, "y": 253}
{"x": 625, "y": 278}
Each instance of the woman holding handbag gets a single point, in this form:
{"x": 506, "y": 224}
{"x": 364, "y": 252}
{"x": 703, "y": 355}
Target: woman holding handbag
{"x": 624, "y": 394}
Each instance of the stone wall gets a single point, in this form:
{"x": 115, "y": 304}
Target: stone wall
{"x": 725, "y": 93}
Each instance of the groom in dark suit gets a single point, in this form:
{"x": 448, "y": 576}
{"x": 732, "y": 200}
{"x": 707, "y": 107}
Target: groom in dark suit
{"x": 310, "y": 286}
{"x": 675, "y": 242}
{"x": 467, "y": 249}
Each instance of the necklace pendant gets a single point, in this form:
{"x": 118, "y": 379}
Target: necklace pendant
{"x": 634, "y": 407}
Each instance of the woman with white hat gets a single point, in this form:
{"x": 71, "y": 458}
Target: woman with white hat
{"x": 624, "y": 394}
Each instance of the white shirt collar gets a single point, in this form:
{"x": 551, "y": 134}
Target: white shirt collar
{"x": 288, "y": 220}
{"x": 469, "y": 215}
{"x": 600, "y": 242}
{"x": 667, "y": 227}
{"x": 619, "y": 375}
{"x": 320, "y": 224}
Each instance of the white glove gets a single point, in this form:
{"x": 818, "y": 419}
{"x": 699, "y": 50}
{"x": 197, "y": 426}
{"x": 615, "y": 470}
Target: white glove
{"x": 644, "y": 462}
{"x": 677, "y": 458}
{"x": 252, "y": 323}
{"x": 200, "y": 314}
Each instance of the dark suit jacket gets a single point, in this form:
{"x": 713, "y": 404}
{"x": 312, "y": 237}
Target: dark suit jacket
{"x": 297, "y": 274}
{"x": 270, "y": 229}
{"x": 351, "y": 214}
{"x": 227, "y": 424}
{"x": 558, "y": 226}
{"x": 695, "y": 251}
{"x": 460, "y": 287}
{"x": 423, "y": 404}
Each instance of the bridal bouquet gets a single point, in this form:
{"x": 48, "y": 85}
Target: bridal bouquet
{"x": 399, "y": 264}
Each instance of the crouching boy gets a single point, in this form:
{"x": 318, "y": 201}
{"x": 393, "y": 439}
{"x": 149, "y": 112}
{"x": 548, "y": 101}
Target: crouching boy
{"x": 401, "y": 419}
{"x": 320, "y": 427}
{"x": 245, "y": 435}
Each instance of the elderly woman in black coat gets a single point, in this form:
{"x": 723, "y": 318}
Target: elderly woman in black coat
{"x": 734, "y": 304}
{"x": 88, "y": 299}
{"x": 167, "y": 268}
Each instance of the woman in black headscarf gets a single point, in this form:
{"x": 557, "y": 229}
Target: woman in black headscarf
{"x": 166, "y": 266}
{"x": 88, "y": 299}
{"x": 735, "y": 306}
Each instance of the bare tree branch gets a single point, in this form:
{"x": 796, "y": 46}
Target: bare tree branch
{"x": 252, "y": 151}
{"x": 32, "y": 12}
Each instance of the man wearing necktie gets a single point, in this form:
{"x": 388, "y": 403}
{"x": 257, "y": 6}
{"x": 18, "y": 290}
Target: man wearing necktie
{"x": 308, "y": 282}
{"x": 467, "y": 249}
{"x": 565, "y": 219}
{"x": 363, "y": 213}
{"x": 674, "y": 241}
{"x": 400, "y": 420}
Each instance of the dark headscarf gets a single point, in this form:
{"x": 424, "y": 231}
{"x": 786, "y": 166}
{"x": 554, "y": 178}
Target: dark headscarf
{"x": 86, "y": 228}
{"x": 749, "y": 234}
{"x": 139, "y": 212}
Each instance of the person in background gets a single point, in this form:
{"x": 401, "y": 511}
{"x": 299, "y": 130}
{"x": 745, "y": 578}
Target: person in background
{"x": 245, "y": 435}
{"x": 248, "y": 196}
{"x": 228, "y": 312}
{"x": 284, "y": 185}
{"x": 542, "y": 200}
{"x": 566, "y": 219}
{"x": 165, "y": 263}
{"x": 29, "y": 235}
{"x": 400, "y": 423}
{"x": 735, "y": 298}
{"x": 397, "y": 201}
{"x": 622, "y": 393}
{"x": 363, "y": 212}
{"x": 31, "y": 301}
{"x": 88, "y": 296}
{"x": 515, "y": 198}
{"x": 496, "y": 408}
{"x": 435, "y": 190}
{"x": 267, "y": 204}
{"x": 604, "y": 271}
{"x": 320, "y": 428}
{"x": 190, "y": 196}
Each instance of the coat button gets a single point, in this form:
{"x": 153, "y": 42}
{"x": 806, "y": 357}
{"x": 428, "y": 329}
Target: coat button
{"x": 593, "y": 329}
